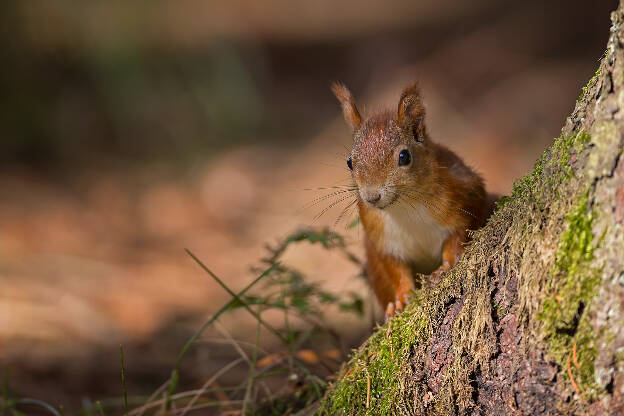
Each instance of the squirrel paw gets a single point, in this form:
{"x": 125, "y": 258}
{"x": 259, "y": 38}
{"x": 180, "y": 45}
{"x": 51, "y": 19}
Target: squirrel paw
{"x": 390, "y": 310}
{"x": 436, "y": 275}
{"x": 397, "y": 306}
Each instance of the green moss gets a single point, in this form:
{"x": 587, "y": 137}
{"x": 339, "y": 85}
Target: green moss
{"x": 553, "y": 166}
{"x": 500, "y": 312}
{"x": 589, "y": 85}
{"x": 526, "y": 185}
{"x": 565, "y": 312}
{"x": 380, "y": 361}
{"x": 560, "y": 153}
{"x": 563, "y": 147}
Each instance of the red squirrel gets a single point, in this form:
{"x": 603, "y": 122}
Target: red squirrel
{"x": 416, "y": 198}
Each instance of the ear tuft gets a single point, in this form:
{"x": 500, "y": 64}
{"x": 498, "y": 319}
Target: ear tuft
{"x": 411, "y": 112}
{"x": 349, "y": 110}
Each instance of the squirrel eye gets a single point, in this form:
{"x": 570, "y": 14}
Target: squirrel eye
{"x": 404, "y": 158}
{"x": 349, "y": 163}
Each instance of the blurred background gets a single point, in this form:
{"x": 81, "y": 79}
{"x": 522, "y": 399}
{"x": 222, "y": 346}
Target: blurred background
{"x": 132, "y": 130}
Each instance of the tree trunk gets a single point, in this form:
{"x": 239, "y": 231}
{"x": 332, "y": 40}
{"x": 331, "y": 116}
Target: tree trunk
{"x": 531, "y": 320}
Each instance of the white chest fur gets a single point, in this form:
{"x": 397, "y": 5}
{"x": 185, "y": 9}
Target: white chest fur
{"x": 412, "y": 234}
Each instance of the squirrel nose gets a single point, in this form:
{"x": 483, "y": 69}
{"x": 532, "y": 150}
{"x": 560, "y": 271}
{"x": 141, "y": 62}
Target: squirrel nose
{"x": 373, "y": 197}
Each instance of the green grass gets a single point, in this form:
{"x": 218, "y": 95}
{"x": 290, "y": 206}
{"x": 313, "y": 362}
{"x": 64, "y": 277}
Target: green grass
{"x": 277, "y": 287}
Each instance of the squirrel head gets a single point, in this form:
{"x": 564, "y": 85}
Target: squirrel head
{"x": 391, "y": 155}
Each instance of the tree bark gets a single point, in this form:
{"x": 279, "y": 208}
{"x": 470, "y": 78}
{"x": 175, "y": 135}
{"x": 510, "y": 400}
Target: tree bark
{"x": 531, "y": 320}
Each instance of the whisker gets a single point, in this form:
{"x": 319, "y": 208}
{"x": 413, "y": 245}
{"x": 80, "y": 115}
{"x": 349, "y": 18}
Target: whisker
{"x": 343, "y": 156}
{"x": 322, "y": 198}
{"x": 341, "y": 191}
{"x": 434, "y": 209}
{"x": 344, "y": 211}
{"x": 468, "y": 212}
{"x": 458, "y": 208}
{"x": 353, "y": 215}
{"x": 331, "y": 165}
{"x": 416, "y": 197}
{"x": 402, "y": 198}
{"x": 330, "y": 206}
{"x": 423, "y": 198}
{"x": 324, "y": 188}
{"x": 428, "y": 198}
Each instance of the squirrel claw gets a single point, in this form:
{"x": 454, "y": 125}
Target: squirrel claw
{"x": 396, "y": 307}
{"x": 407, "y": 298}
{"x": 436, "y": 275}
{"x": 390, "y": 309}
{"x": 444, "y": 267}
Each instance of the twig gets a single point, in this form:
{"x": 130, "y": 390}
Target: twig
{"x": 230, "y": 340}
{"x": 209, "y": 382}
{"x": 147, "y": 404}
{"x": 389, "y": 338}
{"x": 211, "y": 404}
{"x": 572, "y": 378}
{"x": 194, "y": 393}
{"x": 237, "y": 346}
{"x": 159, "y": 390}
{"x": 189, "y": 393}
{"x": 367, "y": 391}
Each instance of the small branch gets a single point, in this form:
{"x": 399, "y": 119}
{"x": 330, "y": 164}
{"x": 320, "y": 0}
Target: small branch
{"x": 572, "y": 378}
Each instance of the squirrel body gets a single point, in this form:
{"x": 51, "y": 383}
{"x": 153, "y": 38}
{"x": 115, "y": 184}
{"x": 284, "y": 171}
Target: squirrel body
{"x": 416, "y": 198}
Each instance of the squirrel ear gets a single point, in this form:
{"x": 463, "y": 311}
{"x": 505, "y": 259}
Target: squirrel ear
{"x": 411, "y": 113}
{"x": 350, "y": 111}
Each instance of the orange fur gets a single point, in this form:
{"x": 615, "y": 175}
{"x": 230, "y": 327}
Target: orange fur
{"x": 390, "y": 278}
{"x": 422, "y": 209}
{"x": 452, "y": 249}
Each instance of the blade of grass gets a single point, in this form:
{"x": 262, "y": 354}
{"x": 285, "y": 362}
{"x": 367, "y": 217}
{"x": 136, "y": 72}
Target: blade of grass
{"x": 98, "y": 405}
{"x": 40, "y": 404}
{"x": 231, "y": 341}
{"x": 194, "y": 393}
{"x": 228, "y": 340}
{"x": 123, "y": 379}
{"x": 153, "y": 396}
{"x": 290, "y": 339}
{"x": 237, "y": 346}
{"x": 5, "y": 392}
{"x": 183, "y": 395}
{"x": 237, "y": 298}
{"x": 175, "y": 373}
{"x": 209, "y": 382}
{"x": 210, "y": 404}
{"x": 252, "y": 369}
